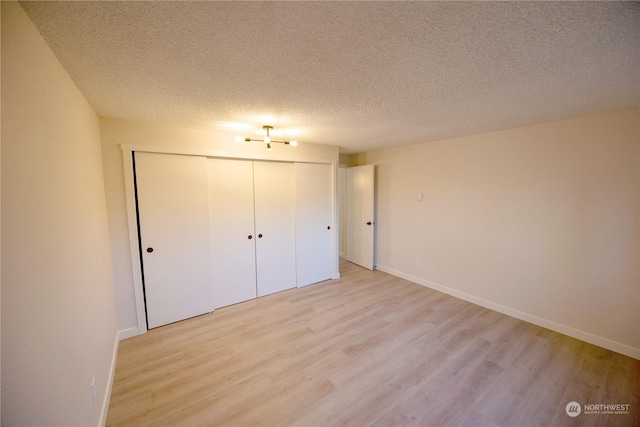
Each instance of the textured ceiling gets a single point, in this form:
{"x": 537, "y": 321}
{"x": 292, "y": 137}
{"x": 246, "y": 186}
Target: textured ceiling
{"x": 360, "y": 75}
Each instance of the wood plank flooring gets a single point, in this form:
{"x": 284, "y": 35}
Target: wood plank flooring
{"x": 367, "y": 349}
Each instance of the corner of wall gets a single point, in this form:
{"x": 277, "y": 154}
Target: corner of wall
{"x": 344, "y": 160}
{"x": 112, "y": 372}
{"x": 358, "y": 159}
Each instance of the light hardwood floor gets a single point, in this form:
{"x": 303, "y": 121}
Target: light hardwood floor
{"x": 367, "y": 349}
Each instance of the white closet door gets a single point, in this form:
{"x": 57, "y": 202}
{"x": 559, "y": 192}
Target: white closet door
{"x": 274, "y": 218}
{"x": 313, "y": 222}
{"x": 232, "y": 233}
{"x": 176, "y": 252}
{"x": 360, "y": 215}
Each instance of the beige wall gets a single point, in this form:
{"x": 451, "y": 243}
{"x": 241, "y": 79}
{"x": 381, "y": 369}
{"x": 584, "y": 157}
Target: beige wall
{"x": 58, "y": 310}
{"x": 540, "y": 222}
{"x": 116, "y": 133}
{"x": 345, "y": 160}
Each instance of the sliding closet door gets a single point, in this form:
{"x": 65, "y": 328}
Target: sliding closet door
{"x": 174, "y": 219}
{"x": 232, "y": 230}
{"x": 274, "y": 218}
{"x": 313, "y": 222}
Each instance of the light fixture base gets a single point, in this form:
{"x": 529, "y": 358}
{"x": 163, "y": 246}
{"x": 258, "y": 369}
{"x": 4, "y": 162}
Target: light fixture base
{"x": 267, "y": 139}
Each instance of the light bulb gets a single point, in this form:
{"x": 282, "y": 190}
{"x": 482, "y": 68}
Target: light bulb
{"x": 239, "y": 139}
{"x": 267, "y": 139}
{"x": 293, "y": 143}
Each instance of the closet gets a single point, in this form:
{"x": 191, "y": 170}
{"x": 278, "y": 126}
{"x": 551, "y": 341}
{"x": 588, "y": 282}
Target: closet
{"x": 217, "y": 231}
{"x": 173, "y": 216}
{"x": 275, "y": 246}
{"x": 314, "y": 215}
{"x": 232, "y": 231}
{"x": 252, "y": 228}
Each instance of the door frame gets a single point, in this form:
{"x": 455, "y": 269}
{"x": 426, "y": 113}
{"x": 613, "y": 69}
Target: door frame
{"x": 132, "y": 218}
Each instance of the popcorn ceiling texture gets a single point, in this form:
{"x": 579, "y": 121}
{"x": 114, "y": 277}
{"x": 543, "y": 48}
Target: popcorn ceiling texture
{"x": 360, "y": 75}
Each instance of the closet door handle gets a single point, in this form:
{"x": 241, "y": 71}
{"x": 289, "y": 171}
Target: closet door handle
{"x": 328, "y": 227}
{"x": 149, "y": 250}
{"x": 369, "y": 223}
{"x": 250, "y": 237}
{"x": 260, "y": 236}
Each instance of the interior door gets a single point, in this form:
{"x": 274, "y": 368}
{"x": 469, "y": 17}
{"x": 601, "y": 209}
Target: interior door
{"x": 360, "y": 215}
{"x": 313, "y": 222}
{"x": 232, "y": 230}
{"x": 274, "y": 219}
{"x": 176, "y": 253}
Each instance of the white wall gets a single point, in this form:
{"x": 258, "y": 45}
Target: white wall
{"x": 540, "y": 222}
{"x": 115, "y": 133}
{"x": 58, "y": 310}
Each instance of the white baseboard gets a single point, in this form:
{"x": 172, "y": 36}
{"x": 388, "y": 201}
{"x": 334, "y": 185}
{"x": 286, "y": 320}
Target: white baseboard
{"x": 112, "y": 372}
{"x": 128, "y": 333}
{"x": 618, "y": 347}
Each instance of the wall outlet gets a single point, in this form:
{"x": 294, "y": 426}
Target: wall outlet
{"x": 93, "y": 391}
{"x": 418, "y": 261}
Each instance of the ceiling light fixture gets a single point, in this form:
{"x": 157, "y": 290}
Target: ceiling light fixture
{"x": 267, "y": 139}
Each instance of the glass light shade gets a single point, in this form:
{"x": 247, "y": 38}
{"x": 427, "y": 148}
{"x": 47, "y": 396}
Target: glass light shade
{"x": 293, "y": 143}
{"x": 267, "y": 139}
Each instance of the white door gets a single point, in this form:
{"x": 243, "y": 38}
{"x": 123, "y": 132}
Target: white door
{"x": 342, "y": 212}
{"x": 360, "y": 211}
{"x": 232, "y": 230}
{"x": 274, "y": 219}
{"x": 176, "y": 252}
{"x": 313, "y": 222}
